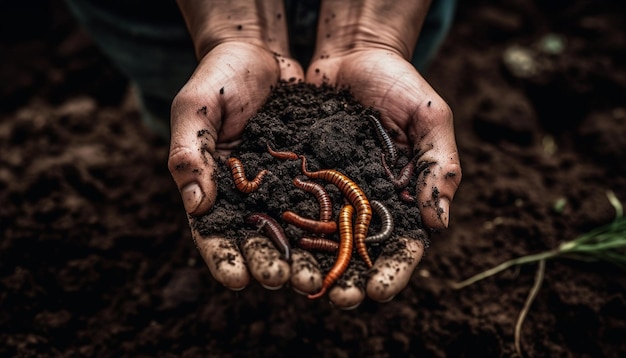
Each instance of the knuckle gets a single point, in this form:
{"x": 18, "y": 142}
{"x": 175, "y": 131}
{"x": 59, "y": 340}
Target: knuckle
{"x": 438, "y": 112}
{"x": 180, "y": 158}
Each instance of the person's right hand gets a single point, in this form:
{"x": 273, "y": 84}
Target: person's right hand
{"x": 242, "y": 54}
{"x": 365, "y": 45}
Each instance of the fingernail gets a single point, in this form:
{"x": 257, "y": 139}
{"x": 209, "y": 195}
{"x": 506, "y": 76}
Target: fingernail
{"x": 272, "y": 288}
{"x": 444, "y": 209}
{"x": 192, "y": 196}
{"x": 387, "y": 299}
{"x": 349, "y": 308}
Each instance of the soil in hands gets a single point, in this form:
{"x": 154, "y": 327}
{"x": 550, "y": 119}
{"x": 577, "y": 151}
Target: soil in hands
{"x": 333, "y": 131}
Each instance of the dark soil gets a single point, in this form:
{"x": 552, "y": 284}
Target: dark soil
{"x": 96, "y": 256}
{"x": 332, "y": 131}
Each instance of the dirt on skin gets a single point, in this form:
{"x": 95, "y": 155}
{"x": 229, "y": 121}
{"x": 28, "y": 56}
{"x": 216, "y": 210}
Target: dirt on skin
{"x": 332, "y": 131}
{"x": 96, "y": 256}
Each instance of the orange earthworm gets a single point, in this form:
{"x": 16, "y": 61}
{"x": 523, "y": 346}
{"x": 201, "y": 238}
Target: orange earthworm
{"x": 387, "y": 223}
{"x": 356, "y": 197}
{"x": 272, "y": 229}
{"x": 345, "y": 250}
{"x": 314, "y": 226}
{"x": 239, "y": 176}
{"x": 318, "y": 243}
{"x": 281, "y": 155}
{"x": 350, "y": 190}
{"x": 326, "y": 206}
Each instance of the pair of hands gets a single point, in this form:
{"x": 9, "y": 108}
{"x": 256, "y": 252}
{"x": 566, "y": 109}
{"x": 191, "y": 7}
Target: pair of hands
{"x": 243, "y": 52}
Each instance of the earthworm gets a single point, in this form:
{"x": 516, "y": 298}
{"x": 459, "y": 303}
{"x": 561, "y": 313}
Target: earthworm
{"x": 352, "y": 192}
{"x": 356, "y": 197}
{"x": 387, "y": 223}
{"x": 318, "y": 243}
{"x": 239, "y": 176}
{"x": 314, "y": 226}
{"x": 272, "y": 229}
{"x": 384, "y": 138}
{"x": 402, "y": 180}
{"x": 281, "y": 155}
{"x": 405, "y": 196}
{"x": 326, "y": 206}
{"x": 345, "y": 250}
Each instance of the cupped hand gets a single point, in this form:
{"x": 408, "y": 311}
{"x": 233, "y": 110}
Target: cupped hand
{"x": 422, "y": 123}
{"x": 208, "y": 116}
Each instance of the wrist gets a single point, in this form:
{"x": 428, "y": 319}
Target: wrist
{"x": 348, "y": 26}
{"x": 258, "y": 23}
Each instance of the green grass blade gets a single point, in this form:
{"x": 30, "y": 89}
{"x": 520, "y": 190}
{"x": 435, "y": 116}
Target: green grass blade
{"x": 529, "y": 301}
{"x": 503, "y": 266}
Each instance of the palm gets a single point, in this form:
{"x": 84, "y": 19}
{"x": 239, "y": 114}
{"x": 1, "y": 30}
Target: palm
{"x": 228, "y": 87}
{"x": 410, "y": 108}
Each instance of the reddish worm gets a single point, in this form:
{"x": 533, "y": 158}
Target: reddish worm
{"x": 272, "y": 229}
{"x": 324, "y": 225}
{"x": 318, "y": 243}
{"x": 281, "y": 155}
{"x": 345, "y": 250}
{"x": 406, "y": 196}
{"x": 310, "y": 225}
{"x": 323, "y": 244}
{"x": 239, "y": 176}
{"x": 402, "y": 180}
{"x": 326, "y": 206}
{"x": 355, "y": 196}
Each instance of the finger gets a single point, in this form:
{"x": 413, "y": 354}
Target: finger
{"x": 224, "y": 260}
{"x": 195, "y": 121}
{"x": 278, "y": 41}
{"x": 264, "y": 262}
{"x": 192, "y": 165}
{"x": 392, "y": 271}
{"x": 219, "y": 98}
{"x": 306, "y": 277}
{"x": 347, "y": 295}
{"x": 438, "y": 162}
{"x": 290, "y": 69}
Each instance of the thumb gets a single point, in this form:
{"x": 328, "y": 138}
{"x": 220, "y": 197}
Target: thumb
{"x": 438, "y": 163}
{"x": 191, "y": 161}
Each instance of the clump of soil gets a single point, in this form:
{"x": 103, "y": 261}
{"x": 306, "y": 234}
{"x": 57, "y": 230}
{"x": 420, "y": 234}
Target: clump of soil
{"x": 333, "y": 131}
{"x": 96, "y": 256}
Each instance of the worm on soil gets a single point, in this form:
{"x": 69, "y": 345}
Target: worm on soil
{"x": 239, "y": 176}
{"x": 402, "y": 180}
{"x": 345, "y": 250}
{"x": 387, "y": 223}
{"x": 318, "y": 243}
{"x": 385, "y": 139}
{"x": 356, "y": 197}
{"x": 353, "y": 193}
{"x": 320, "y": 193}
{"x": 272, "y": 229}
{"x": 310, "y": 225}
{"x": 281, "y": 155}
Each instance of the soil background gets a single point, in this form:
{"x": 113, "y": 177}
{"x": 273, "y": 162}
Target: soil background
{"x": 96, "y": 257}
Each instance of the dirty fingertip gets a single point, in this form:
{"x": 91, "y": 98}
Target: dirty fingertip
{"x": 306, "y": 277}
{"x": 391, "y": 273}
{"x": 192, "y": 196}
{"x": 224, "y": 261}
{"x": 346, "y": 298}
{"x": 265, "y": 262}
